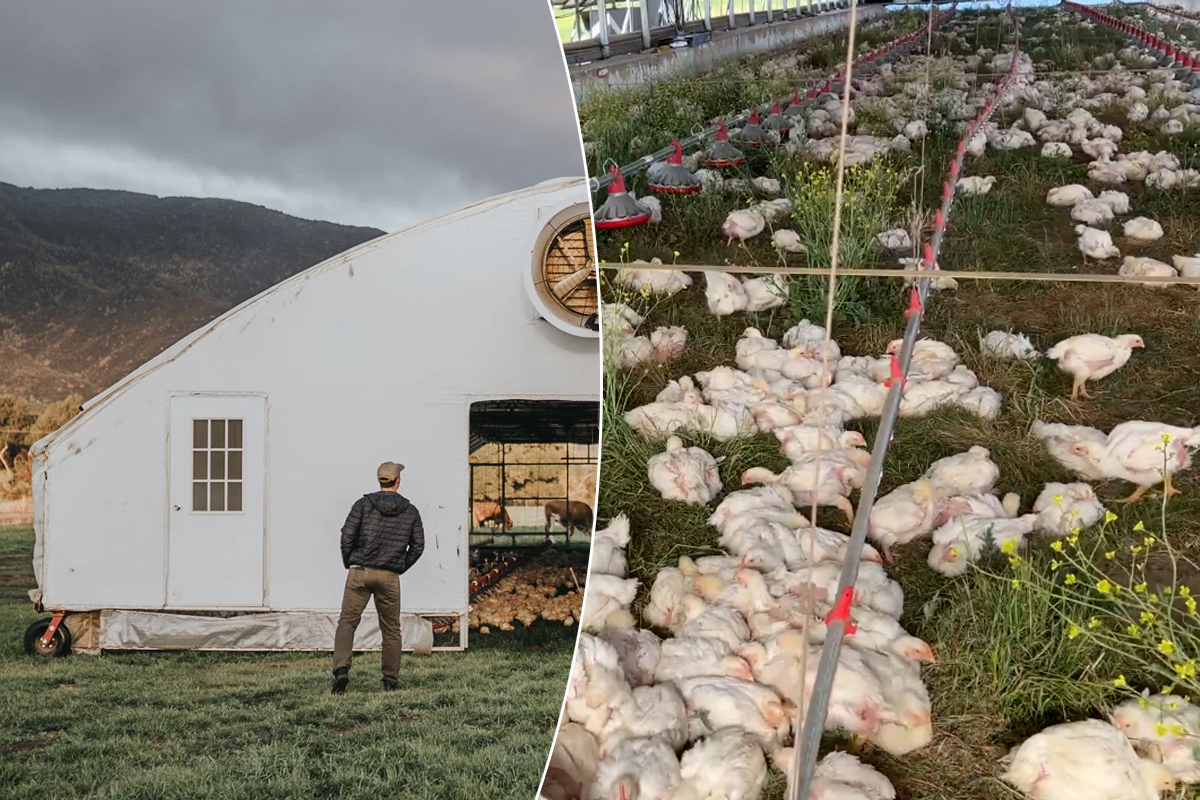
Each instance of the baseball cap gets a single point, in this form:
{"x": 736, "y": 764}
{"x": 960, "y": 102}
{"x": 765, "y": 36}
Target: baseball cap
{"x": 389, "y": 471}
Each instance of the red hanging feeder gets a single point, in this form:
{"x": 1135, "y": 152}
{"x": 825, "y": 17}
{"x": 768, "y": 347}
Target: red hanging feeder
{"x": 752, "y": 134}
{"x": 621, "y": 209}
{"x": 672, "y": 177}
{"x": 777, "y": 122}
{"x": 794, "y": 108}
{"x": 722, "y": 154}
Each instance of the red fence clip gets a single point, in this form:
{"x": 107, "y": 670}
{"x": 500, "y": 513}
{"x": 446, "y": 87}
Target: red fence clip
{"x": 954, "y": 169}
{"x": 841, "y": 610}
{"x": 939, "y": 219}
{"x": 914, "y": 303}
{"x": 897, "y": 374}
{"x": 928, "y": 259}
{"x": 947, "y": 192}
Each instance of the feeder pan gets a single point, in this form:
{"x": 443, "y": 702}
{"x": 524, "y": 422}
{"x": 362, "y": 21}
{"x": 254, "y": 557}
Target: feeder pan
{"x": 621, "y": 209}
{"x": 752, "y": 134}
{"x": 722, "y": 154}
{"x": 794, "y": 108}
{"x": 777, "y": 122}
{"x": 672, "y": 177}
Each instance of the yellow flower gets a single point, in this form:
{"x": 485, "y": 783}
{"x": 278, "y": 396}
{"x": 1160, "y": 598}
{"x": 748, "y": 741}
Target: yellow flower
{"x": 1140, "y": 526}
{"x": 677, "y": 254}
{"x": 1119, "y": 681}
{"x": 1148, "y": 541}
{"x": 1073, "y": 631}
{"x": 1191, "y": 605}
{"x": 1140, "y": 588}
{"x": 1160, "y": 729}
{"x": 1185, "y": 591}
{"x": 1147, "y": 617}
{"x": 1143, "y": 702}
{"x": 1054, "y": 565}
{"x": 1166, "y": 647}
{"x": 1185, "y": 670}
{"x": 954, "y": 552}
{"x": 1104, "y": 587}
{"x": 1093, "y": 623}
{"x": 1135, "y": 548}
{"x": 1058, "y": 498}
{"x": 1110, "y": 555}
{"x": 1109, "y": 516}
{"x": 1073, "y": 539}
{"x": 1133, "y": 630}
{"x": 1009, "y": 547}
{"x": 1166, "y": 438}
{"x": 1016, "y": 584}
{"x": 1177, "y": 730}
{"x": 1056, "y": 546}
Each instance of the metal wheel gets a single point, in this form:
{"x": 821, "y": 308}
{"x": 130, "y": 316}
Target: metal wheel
{"x": 60, "y": 643}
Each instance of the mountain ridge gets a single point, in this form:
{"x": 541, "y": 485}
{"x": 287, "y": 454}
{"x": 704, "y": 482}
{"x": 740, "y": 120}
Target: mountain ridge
{"x": 95, "y": 282}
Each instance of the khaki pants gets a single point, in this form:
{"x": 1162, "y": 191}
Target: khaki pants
{"x": 361, "y": 585}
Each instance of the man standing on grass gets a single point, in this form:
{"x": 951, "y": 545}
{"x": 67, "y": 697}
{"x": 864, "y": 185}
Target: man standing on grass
{"x": 381, "y": 540}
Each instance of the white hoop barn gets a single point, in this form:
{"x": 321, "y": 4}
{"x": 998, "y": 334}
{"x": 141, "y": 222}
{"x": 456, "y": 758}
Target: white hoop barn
{"x": 197, "y": 503}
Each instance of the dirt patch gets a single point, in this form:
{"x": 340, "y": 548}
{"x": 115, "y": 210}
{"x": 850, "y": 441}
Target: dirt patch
{"x": 45, "y": 740}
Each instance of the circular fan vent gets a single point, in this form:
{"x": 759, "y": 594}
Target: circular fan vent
{"x": 563, "y": 275}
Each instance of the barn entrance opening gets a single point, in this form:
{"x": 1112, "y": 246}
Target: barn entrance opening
{"x": 533, "y": 472}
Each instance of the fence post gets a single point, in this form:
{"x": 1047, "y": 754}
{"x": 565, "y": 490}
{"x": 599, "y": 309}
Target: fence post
{"x": 644, "y": 11}
{"x": 752, "y": 12}
{"x": 602, "y": 7}
{"x": 732, "y": 18}
{"x": 708, "y": 15}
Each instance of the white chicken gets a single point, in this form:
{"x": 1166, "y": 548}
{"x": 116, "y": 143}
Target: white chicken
{"x": 687, "y": 474}
{"x": 839, "y": 776}
{"x": 728, "y": 765}
{"x": 1059, "y": 438}
{"x": 714, "y": 703}
{"x": 642, "y": 768}
{"x": 1068, "y": 195}
{"x": 1171, "y": 723}
{"x": 903, "y": 515}
{"x": 1001, "y": 344}
{"x": 1145, "y": 267}
{"x": 1084, "y": 759}
{"x": 608, "y": 548}
{"x": 1143, "y": 453}
{"x": 1063, "y": 508}
{"x": 1187, "y": 266}
{"x": 725, "y": 294}
{"x": 962, "y": 540}
{"x": 606, "y": 602}
{"x": 787, "y": 241}
{"x": 976, "y": 185}
{"x": 767, "y": 292}
{"x": 1092, "y": 356}
{"x": 1143, "y": 229}
{"x": 668, "y": 343}
{"x": 656, "y": 281}
{"x": 1095, "y": 243}
{"x": 743, "y": 224}
{"x": 971, "y": 472}
{"x": 896, "y": 239}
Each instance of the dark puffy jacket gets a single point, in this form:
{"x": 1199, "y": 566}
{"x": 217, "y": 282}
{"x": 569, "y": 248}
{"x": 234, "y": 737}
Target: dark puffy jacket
{"x": 384, "y": 531}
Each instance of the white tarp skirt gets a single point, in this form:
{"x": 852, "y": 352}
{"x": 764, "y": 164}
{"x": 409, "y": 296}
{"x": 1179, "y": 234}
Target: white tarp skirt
{"x": 149, "y": 630}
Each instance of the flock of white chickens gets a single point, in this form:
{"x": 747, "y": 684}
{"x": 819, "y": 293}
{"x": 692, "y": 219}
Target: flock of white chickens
{"x": 696, "y": 698}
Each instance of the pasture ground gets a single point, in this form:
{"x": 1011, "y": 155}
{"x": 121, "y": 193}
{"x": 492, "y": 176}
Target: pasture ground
{"x": 255, "y": 726}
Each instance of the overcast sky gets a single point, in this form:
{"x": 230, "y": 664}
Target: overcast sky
{"x": 371, "y": 112}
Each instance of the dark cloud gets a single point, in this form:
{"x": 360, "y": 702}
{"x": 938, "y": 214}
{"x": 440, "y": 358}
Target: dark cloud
{"x": 376, "y": 112}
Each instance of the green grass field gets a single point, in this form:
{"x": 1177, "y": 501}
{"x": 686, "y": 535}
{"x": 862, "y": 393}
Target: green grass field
{"x": 198, "y": 725}
{"x": 1006, "y": 665}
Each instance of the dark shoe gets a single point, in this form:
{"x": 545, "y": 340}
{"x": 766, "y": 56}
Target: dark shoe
{"x": 389, "y": 686}
{"x": 341, "y": 679}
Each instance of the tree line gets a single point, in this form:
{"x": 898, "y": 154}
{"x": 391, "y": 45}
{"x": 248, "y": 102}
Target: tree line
{"x": 19, "y": 429}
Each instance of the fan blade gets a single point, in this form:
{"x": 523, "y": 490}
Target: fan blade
{"x": 564, "y": 286}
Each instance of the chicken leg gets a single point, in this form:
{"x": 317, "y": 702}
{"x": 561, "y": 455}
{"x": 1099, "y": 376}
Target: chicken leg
{"x": 1168, "y": 489}
{"x": 1079, "y": 389}
{"x": 856, "y": 744}
{"x": 1133, "y": 498}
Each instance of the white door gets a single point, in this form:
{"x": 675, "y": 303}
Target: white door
{"x": 217, "y": 469}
